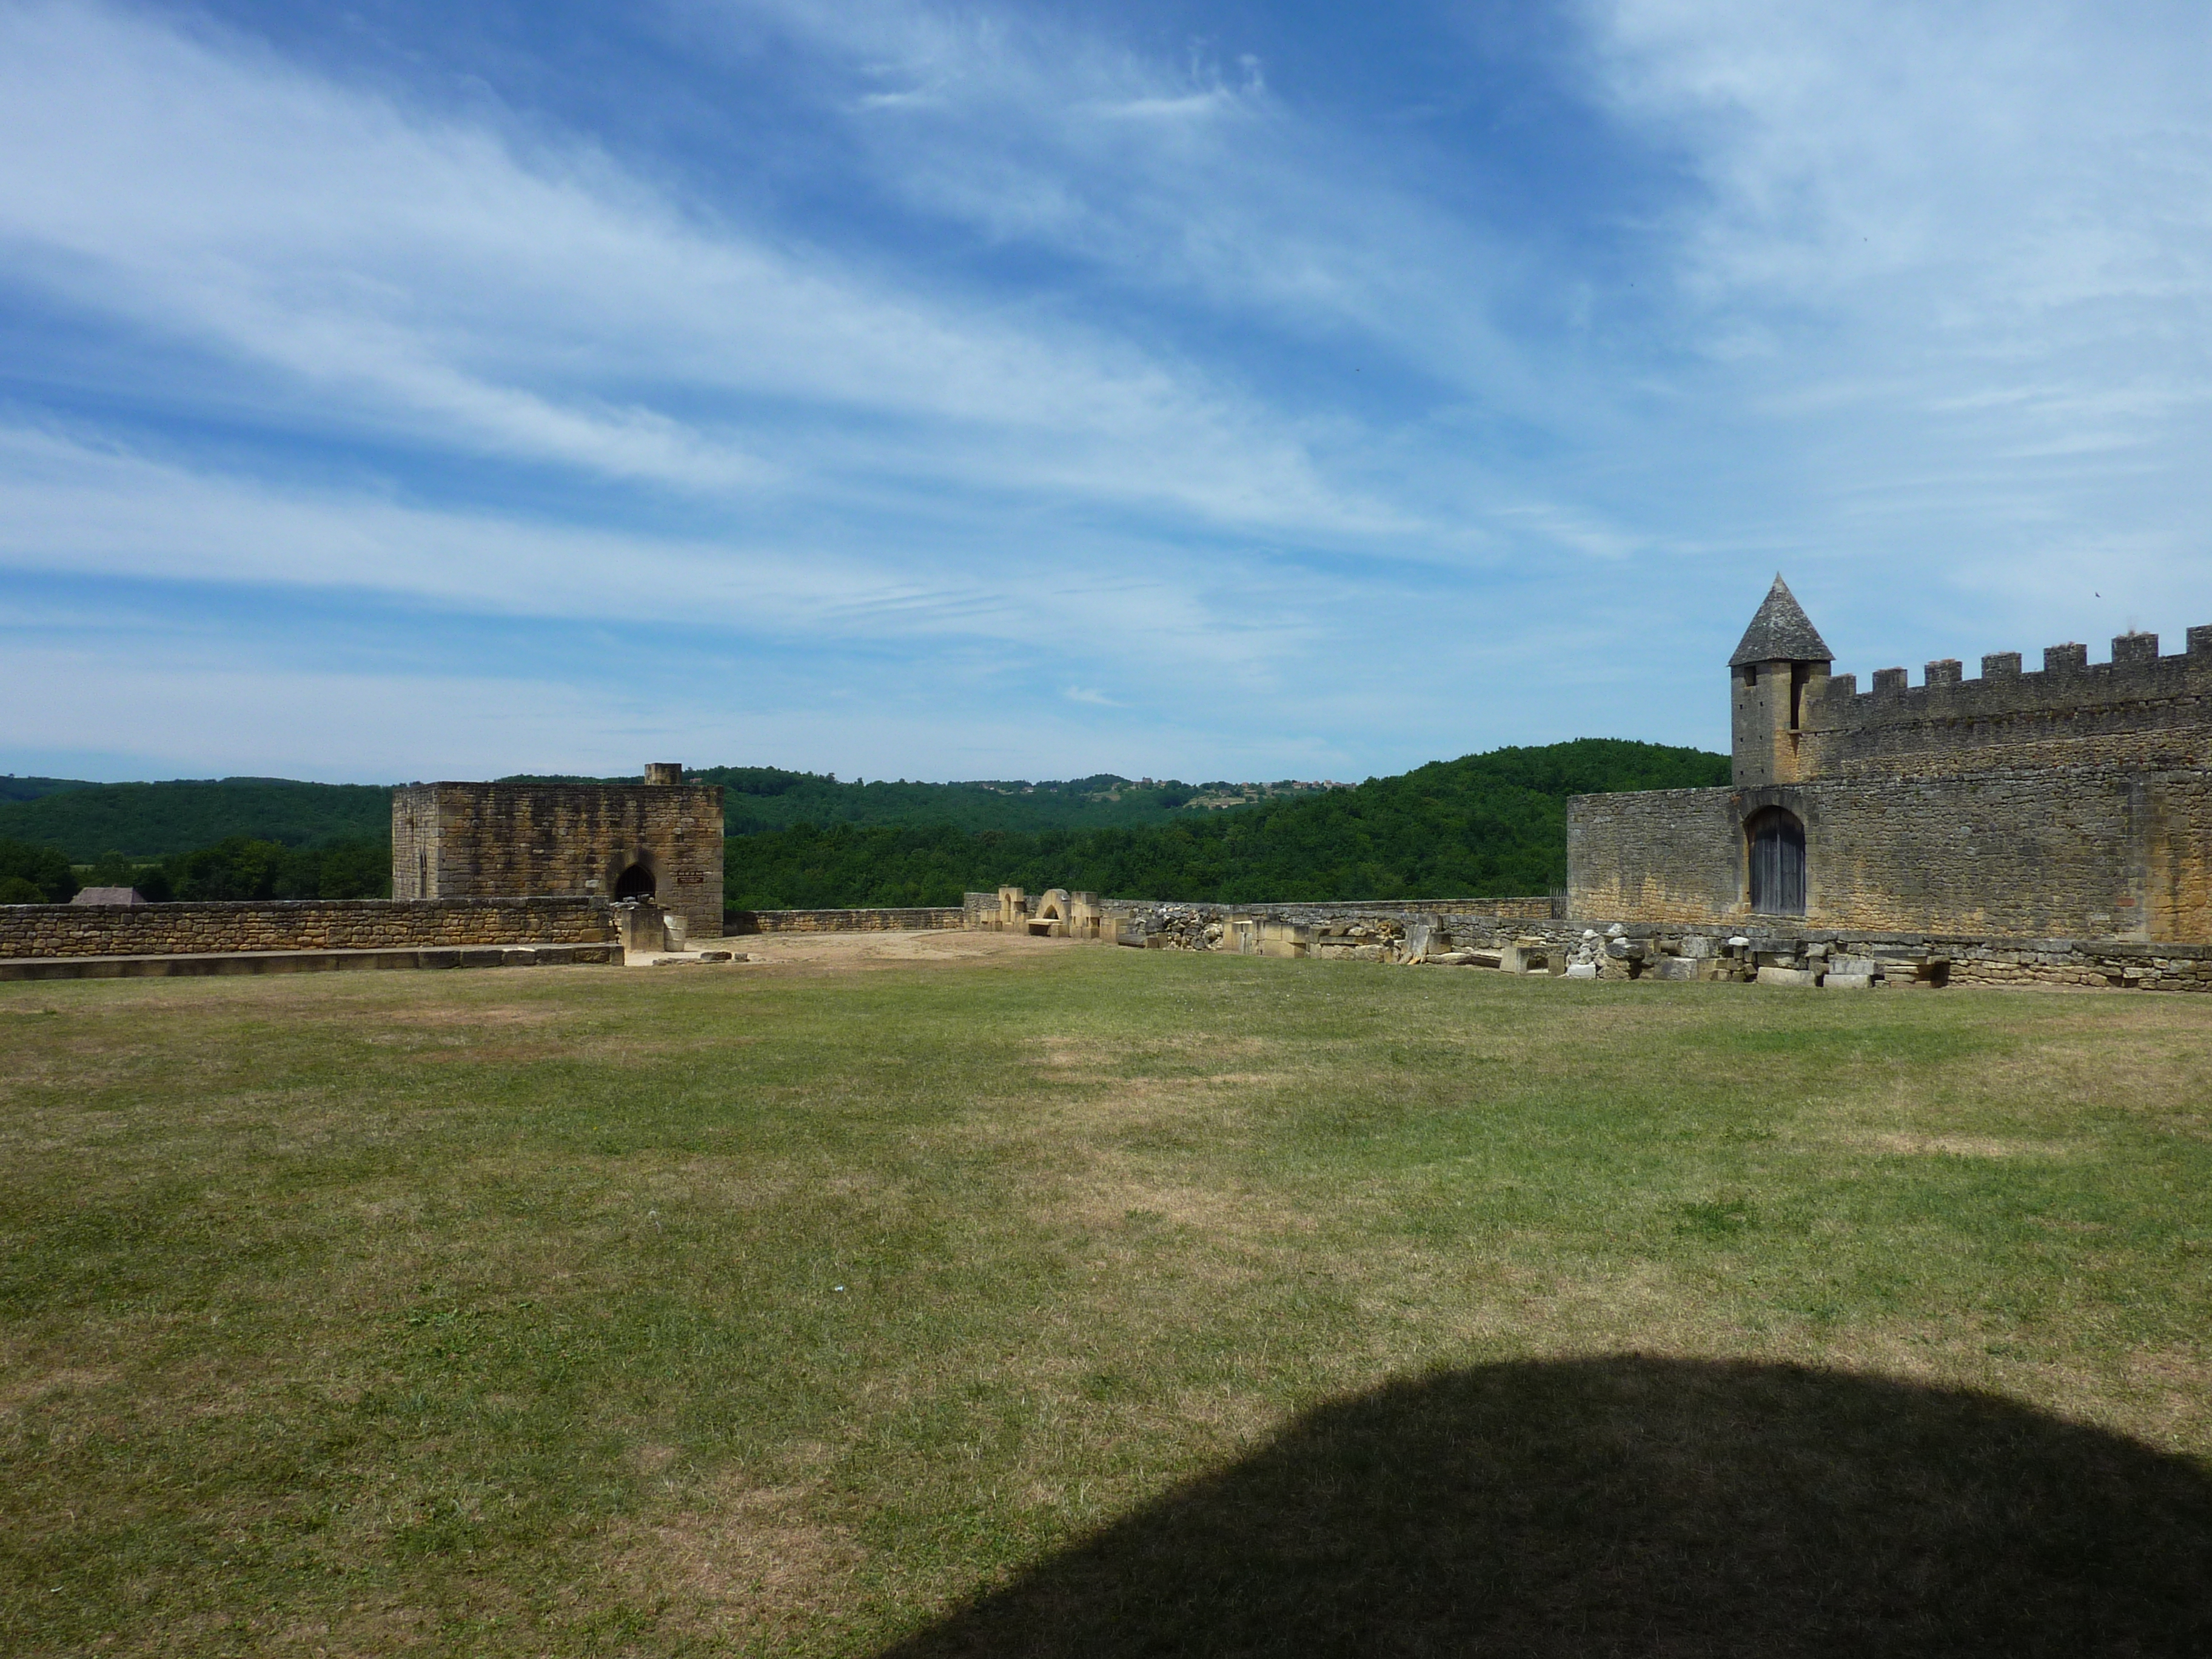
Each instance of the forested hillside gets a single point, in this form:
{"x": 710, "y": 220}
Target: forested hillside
{"x": 1491, "y": 824}
{"x": 15, "y": 788}
{"x": 759, "y": 798}
{"x": 153, "y": 820}
{"x": 1485, "y": 825}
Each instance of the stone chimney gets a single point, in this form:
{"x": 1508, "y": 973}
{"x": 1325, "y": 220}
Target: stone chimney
{"x": 663, "y": 774}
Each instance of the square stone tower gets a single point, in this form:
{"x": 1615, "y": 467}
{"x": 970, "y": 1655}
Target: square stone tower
{"x": 661, "y": 839}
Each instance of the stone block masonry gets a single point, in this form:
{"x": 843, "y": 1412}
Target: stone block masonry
{"x": 2139, "y": 710}
{"x": 1656, "y": 854}
{"x": 1058, "y": 915}
{"x": 661, "y": 840}
{"x": 42, "y": 930}
{"x": 231, "y": 963}
{"x": 2073, "y": 801}
{"x": 2073, "y": 852}
{"x": 1525, "y": 936}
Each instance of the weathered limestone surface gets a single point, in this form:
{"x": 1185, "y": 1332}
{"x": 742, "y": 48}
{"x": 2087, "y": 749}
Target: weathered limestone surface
{"x": 2139, "y": 710}
{"x": 1656, "y": 854}
{"x": 2089, "y": 851}
{"x": 63, "y": 930}
{"x": 507, "y": 839}
{"x": 1011, "y": 911}
{"x": 2072, "y": 801}
{"x": 228, "y": 962}
{"x": 1487, "y": 933}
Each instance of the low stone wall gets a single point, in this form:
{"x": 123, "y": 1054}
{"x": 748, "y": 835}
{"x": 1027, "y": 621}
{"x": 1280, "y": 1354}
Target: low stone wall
{"x": 1489, "y": 933}
{"x": 88, "y": 930}
{"x": 911, "y": 919}
{"x": 1011, "y": 910}
{"x": 2117, "y": 965}
{"x": 1324, "y": 929}
{"x": 228, "y": 963}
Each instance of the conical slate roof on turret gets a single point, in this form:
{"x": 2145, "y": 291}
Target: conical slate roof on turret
{"x": 1781, "y": 632}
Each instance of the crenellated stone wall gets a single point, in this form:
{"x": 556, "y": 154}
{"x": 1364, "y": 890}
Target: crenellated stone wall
{"x": 2074, "y": 800}
{"x": 78, "y": 930}
{"x": 2140, "y": 710}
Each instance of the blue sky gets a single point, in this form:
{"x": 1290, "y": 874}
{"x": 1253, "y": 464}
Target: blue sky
{"x": 949, "y": 391}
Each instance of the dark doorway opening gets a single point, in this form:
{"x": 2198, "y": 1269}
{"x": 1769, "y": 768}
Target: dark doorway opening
{"x": 1777, "y": 864}
{"x": 636, "y": 882}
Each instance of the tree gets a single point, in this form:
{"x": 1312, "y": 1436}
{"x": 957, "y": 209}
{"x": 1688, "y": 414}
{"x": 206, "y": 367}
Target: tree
{"x": 31, "y": 874}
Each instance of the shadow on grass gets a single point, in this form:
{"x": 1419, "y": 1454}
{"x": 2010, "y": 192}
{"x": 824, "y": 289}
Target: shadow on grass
{"x": 1641, "y": 1506}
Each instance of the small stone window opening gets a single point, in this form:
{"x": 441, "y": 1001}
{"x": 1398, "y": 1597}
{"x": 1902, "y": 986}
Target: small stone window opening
{"x": 1777, "y": 863}
{"x": 636, "y": 882}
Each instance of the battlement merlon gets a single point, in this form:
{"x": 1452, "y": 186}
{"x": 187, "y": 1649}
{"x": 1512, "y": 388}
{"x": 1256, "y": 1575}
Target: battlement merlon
{"x": 2137, "y": 709}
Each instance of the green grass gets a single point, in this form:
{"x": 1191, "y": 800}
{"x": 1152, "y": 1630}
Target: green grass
{"x": 782, "y": 1311}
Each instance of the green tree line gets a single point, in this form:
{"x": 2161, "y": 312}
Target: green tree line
{"x": 236, "y": 867}
{"x": 1485, "y": 825}
{"x": 156, "y": 820}
{"x": 757, "y": 799}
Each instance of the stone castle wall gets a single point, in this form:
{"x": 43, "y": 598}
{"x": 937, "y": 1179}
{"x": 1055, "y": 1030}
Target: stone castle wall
{"x": 2139, "y": 710}
{"x": 2073, "y": 852}
{"x": 87, "y": 930}
{"x": 1657, "y": 855}
{"x": 499, "y": 840}
{"x": 2074, "y": 800}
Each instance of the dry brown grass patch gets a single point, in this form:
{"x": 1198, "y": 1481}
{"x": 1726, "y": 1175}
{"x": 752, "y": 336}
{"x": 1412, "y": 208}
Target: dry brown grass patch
{"x": 40, "y": 1386}
{"x": 734, "y": 1559}
{"x": 1913, "y": 1144}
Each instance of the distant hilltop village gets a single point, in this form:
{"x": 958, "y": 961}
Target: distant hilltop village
{"x": 2071, "y": 801}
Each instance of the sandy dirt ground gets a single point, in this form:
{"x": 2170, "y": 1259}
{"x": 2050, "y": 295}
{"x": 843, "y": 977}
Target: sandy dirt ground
{"x": 837, "y": 952}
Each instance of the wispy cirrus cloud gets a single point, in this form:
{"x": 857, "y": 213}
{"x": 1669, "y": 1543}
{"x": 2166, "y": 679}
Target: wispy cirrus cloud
{"x": 98, "y": 510}
{"x": 404, "y": 273}
{"x": 1181, "y": 175}
{"x": 943, "y": 370}
{"x": 1960, "y": 259}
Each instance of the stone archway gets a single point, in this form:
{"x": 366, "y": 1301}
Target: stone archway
{"x": 1776, "y": 863}
{"x": 635, "y": 881}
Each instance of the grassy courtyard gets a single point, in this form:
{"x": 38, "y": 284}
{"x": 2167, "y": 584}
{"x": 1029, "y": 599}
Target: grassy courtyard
{"x": 1167, "y": 1302}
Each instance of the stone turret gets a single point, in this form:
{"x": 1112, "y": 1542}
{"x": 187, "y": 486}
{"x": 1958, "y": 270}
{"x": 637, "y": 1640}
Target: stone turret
{"x": 1780, "y": 667}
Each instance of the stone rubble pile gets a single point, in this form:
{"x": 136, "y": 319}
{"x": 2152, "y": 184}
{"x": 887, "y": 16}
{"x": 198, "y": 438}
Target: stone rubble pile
{"x": 1505, "y": 935}
{"x": 1183, "y": 928}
